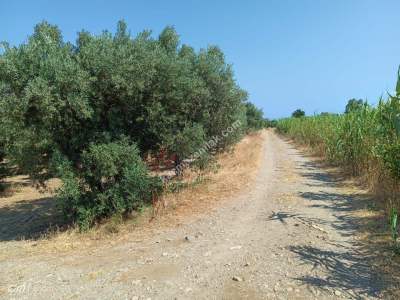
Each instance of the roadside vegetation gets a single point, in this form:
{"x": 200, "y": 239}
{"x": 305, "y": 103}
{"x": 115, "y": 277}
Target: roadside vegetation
{"x": 364, "y": 141}
{"x": 90, "y": 113}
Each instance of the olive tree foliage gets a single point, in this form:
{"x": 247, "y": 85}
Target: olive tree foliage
{"x": 44, "y": 100}
{"x": 254, "y": 116}
{"x": 118, "y": 179}
{"x": 66, "y": 107}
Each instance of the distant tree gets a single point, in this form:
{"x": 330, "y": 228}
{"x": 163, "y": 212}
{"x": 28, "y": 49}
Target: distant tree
{"x": 327, "y": 114}
{"x": 255, "y": 119}
{"x": 354, "y": 105}
{"x": 272, "y": 123}
{"x": 298, "y": 113}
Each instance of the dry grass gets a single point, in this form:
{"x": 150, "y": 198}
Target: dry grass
{"x": 236, "y": 171}
{"x": 29, "y": 209}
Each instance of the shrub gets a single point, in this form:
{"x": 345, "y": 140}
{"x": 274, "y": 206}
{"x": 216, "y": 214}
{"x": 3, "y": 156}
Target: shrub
{"x": 111, "y": 180}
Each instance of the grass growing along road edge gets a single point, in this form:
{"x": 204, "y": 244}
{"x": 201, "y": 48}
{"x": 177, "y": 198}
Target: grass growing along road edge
{"x": 364, "y": 142}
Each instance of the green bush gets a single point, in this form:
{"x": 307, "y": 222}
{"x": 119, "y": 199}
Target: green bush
{"x": 111, "y": 180}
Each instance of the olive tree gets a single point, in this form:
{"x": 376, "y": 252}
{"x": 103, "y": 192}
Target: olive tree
{"x": 88, "y": 111}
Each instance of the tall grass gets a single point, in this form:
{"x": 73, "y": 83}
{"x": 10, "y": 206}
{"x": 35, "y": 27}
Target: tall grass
{"x": 365, "y": 142}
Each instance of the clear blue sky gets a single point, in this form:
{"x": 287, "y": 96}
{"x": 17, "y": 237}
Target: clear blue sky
{"x": 288, "y": 54}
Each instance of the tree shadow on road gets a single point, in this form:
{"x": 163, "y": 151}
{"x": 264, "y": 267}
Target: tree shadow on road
{"x": 30, "y": 217}
{"x": 282, "y": 216}
{"x": 367, "y": 266}
{"x": 348, "y": 270}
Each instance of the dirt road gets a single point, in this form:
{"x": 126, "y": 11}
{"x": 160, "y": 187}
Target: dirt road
{"x": 291, "y": 236}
